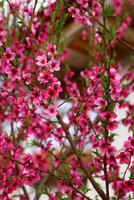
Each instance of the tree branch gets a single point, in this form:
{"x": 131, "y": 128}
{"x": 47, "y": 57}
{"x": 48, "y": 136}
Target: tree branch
{"x": 85, "y": 170}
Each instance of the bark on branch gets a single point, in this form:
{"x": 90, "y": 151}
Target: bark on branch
{"x": 85, "y": 170}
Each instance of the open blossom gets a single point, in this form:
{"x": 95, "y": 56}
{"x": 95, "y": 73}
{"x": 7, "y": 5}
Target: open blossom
{"x": 53, "y": 65}
{"x": 45, "y": 77}
{"x": 51, "y": 49}
{"x": 35, "y": 96}
{"x": 41, "y": 60}
{"x": 112, "y": 125}
{"x": 12, "y": 72}
{"x": 123, "y": 157}
{"x": 9, "y": 54}
{"x": 51, "y": 110}
{"x": 100, "y": 102}
{"x": 75, "y": 12}
{"x": 107, "y": 116}
{"x": 103, "y": 146}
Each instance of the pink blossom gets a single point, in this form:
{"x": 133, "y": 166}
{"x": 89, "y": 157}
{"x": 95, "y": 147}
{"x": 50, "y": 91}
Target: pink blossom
{"x": 97, "y": 38}
{"x": 97, "y": 9}
{"x": 123, "y": 157}
{"x": 9, "y": 54}
{"x": 112, "y": 125}
{"x": 117, "y": 6}
{"x": 76, "y": 180}
{"x": 100, "y": 102}
{"x": 107, "y": 116}
{"x": 104, "y": 146}
{"x": 65, "y": 144}
{"x": 44, "y": 77}
{"x": 74, "y": 11}
{"x": 51, "y": 110}
{"x": 41, "y": 60}
{"x": 53, "y": 65}
{"x": 51, "y": 48}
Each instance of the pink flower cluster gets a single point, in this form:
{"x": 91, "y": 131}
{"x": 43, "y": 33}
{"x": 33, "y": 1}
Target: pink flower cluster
{"x": 67, "y": 148}
{"x": 82, "y": 15}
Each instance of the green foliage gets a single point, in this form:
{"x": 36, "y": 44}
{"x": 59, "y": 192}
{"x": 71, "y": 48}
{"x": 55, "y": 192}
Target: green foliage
{"x": 112, "y": 31}
{"x": 34, "y": 143}
{"x": 111, "y": 106}
{"x": 105, "y": 84}
{"x": 62, "y": 16}
{"x": 96, "y": 153}
{"x": 64, "y": 198}
{"x": 111, "y": 136}
{"x": 100, "y": 48}
{"x": 113, "y": 198}
{"x": 101, "y": 1}
{"x": 131, "y": 174}
{"x": 15, "y": 62}
{"x": 60, "y": 23}
{"x": 64, "y": 166}
{"x": 107, "y": 11}
{"x": 85, "y": 189}
{"x": 81, "y": 109}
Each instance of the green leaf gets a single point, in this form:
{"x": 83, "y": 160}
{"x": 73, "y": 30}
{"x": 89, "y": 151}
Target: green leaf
{"x": 65, "y": 198}
{"x": 59, "y": 23}
{"x": 107, "y": 11}
{"x": 65, "y": 96}
{"x": 87, "y": 81}
{"x": 112, "y": 31}
{"x": 46, "y": 191}
{"x": 96, "y": 153}
{"x": 64, "y": 166}
{"x": 131, "y": 174}
{"x": 34, "y": 143}
{"x": 113, "y": 198}
{"x": 81, "y": 107}
{"x": 111, "y": 106}
{"x": 85, "y": 189}
{"x": 100, "y": 49}
{"x": 111, "y": 136}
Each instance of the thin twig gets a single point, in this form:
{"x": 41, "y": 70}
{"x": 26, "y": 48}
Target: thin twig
{"x": 118, "y": 39}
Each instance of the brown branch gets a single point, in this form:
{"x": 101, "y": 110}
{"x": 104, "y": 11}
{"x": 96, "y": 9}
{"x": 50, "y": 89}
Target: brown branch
{"x": 85, "y": 170}
{"x": 25, "y": 192}
{"x": 119, "y": 40}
